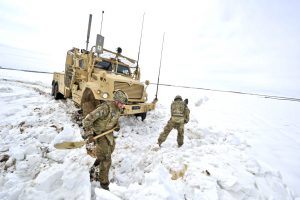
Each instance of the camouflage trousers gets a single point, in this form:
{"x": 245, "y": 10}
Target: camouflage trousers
{"x": 104, "y": 149}
{"x": 170, "y": 125}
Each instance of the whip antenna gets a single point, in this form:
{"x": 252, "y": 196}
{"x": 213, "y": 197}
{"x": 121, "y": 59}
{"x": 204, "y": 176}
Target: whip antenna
{"x": 162, "y": 47}
{"x": 101, "y": 21}
{"x": 140, "y": 42}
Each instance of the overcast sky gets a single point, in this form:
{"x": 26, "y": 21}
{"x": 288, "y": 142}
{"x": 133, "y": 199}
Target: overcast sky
{"x": 220, "y": 44}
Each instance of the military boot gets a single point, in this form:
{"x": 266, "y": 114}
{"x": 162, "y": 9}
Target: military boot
{"x": 95, "y": 171}
{"x": 159, "y": 142}
{"x": 104, "y": 186}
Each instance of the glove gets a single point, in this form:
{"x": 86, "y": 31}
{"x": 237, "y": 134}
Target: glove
{"x": 87, "y": 129}
{"x": 90, "y": 139}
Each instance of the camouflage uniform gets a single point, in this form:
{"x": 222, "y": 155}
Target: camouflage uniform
{"x": 179, "y": 117}
{"x": 104, "y": 118}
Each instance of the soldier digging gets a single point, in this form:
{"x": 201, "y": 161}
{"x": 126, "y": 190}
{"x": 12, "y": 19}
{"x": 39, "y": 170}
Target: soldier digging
{"x": 105, "y": 117}
{"x": 179, "y": 116}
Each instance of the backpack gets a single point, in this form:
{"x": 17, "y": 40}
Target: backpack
{"x": 177, "y": 111}
{"x": 177, "y": 108}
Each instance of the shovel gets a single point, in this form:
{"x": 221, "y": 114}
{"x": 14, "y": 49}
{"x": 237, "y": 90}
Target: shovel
{"x": 75, "y": 145}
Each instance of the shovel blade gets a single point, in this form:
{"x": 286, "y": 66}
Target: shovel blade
{"x": 69, "y": 145}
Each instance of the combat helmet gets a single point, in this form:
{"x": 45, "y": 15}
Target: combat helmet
{"x": 178, "y": 97}
{"x": 120, "y": 96}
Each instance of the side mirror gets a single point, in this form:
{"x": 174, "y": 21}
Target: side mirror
{"x": 147, "y": 82}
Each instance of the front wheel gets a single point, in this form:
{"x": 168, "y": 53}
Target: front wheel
{"x": 142, "y": 115}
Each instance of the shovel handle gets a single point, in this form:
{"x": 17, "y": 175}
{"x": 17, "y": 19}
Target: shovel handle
{"x": 104, "y": 133}
{"x": 74, "y": 145}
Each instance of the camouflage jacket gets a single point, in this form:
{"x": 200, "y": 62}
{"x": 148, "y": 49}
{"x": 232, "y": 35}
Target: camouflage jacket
{"x": 103, "y": 118}
{"x": 177, "y": 111}
{"x": 180, "y": 113}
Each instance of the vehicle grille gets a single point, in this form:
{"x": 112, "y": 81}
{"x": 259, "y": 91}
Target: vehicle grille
{"x": 133, "y": 91}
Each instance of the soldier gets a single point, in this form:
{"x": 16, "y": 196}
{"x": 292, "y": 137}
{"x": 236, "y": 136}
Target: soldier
{"x": 179, "y": 117}
{"x": 105, "y": 117}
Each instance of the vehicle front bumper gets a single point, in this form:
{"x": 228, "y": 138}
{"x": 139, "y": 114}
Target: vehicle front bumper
{"x": 138, "y": 108}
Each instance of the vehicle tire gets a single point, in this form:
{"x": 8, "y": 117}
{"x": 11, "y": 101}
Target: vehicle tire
{"x": 52, "y": 90}
{"x": 142, "y": 115}
{"x": 56, "y": 93}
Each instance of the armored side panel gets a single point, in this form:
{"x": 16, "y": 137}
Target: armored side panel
{"x": 68, "y": 69}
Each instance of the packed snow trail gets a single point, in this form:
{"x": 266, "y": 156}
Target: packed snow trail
{"x": 210, "y": 165}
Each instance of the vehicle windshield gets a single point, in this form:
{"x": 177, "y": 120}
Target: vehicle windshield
{"x": 122, "y": 69}
{"x": 103, "y": 65}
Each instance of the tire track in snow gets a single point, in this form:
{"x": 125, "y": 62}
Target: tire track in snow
{"x": 36, "y": 86}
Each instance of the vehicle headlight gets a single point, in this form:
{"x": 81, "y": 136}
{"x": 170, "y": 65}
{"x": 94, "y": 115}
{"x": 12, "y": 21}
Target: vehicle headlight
{"x": 105, "y": 95}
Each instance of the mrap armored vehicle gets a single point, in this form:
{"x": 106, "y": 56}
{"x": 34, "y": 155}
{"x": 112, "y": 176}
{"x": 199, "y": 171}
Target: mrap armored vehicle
{"x": 92, "y": 76}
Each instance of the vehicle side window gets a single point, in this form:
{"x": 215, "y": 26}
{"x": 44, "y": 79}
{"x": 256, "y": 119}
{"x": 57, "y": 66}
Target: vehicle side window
{"x": 123, "y": 70}
{"x": 103, "y": 65}
{"x": 81, "y": 63}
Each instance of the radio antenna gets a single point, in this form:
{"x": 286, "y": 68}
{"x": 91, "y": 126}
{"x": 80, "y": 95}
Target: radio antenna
{"x": 140, "y": 42}
{"x": 88, "y": 32}
{"x": 162, "y": 47}
{"x": 101, "y": 21}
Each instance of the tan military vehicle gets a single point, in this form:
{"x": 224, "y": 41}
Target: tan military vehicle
{"x": 90, "y": 77}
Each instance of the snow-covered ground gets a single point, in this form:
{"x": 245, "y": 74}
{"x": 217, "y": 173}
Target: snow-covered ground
{"x": 236, "y": 147}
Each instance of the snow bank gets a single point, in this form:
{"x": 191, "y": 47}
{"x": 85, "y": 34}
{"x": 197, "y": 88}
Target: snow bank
{"x": 215, "y": 162}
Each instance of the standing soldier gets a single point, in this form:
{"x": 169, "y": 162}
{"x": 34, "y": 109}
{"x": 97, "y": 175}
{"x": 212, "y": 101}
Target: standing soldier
{"x": 179, "y": 117}
{"x": 104, "y": 118}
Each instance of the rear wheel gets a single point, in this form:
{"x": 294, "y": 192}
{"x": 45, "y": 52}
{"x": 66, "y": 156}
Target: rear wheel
{"x": 52, "y": 90}
{"x": 57, "y": 95}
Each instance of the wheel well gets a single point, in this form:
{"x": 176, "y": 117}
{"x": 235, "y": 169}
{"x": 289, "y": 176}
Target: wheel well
{"x": 142, "y": 115}
{"x": 58, "y": 95}
{"x": 88, "y": 95}
{"x": 88, "y": 101}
